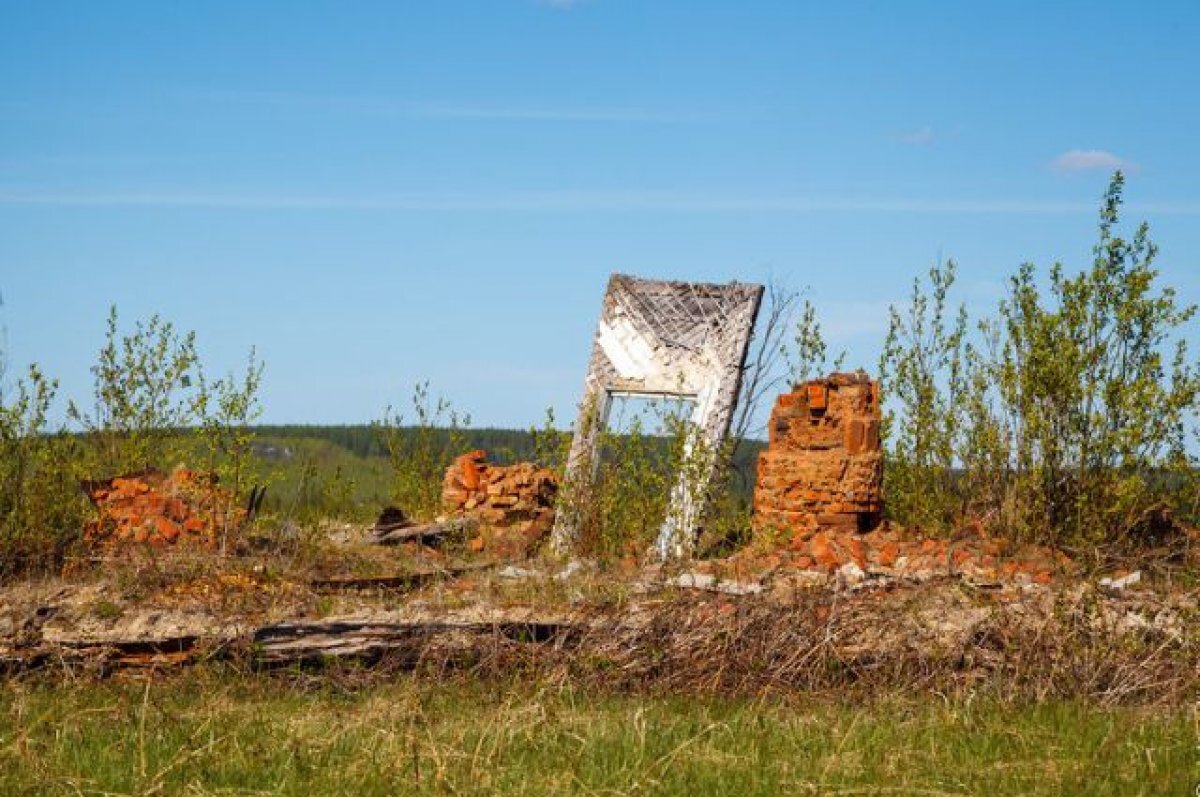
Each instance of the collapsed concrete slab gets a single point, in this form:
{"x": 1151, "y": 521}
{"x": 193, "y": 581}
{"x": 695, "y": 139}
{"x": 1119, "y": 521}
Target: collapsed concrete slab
{"x": 669, "y": 339}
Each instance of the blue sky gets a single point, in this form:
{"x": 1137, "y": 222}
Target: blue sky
{"x": 374, "y": 194}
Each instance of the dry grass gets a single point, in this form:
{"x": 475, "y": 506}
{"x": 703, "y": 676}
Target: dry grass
{"x": 930, "y": 643}
{"x": 937, "y": 638}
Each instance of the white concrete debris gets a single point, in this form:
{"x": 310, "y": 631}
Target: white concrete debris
{"x": 851, "y": 575}
{"x": 677, "y": 340}
{"x": 517, "y": 573}
{"x": 710, "y": 583}
{"x": 1124, "y": 582}
{"x": 574, "y": 566}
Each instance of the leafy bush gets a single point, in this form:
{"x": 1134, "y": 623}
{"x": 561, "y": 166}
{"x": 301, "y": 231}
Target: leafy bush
{"x": 1064, "y": 417}
{"x": 922, "y": 371}
{"x": 222, "y": 411}
{"x": 41, "y": 508}
{"x": 637, "y": 465}
{"x": 145, "y": 393}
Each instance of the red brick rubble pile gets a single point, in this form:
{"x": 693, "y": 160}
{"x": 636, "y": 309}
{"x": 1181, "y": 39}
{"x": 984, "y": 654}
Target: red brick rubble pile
{"x": 161, "y": 509}
{"x": 896, "y": 553}
{"x": 513, "y": 503}
{"x": 823, "y": 467}
{"x": 818, "y": 499}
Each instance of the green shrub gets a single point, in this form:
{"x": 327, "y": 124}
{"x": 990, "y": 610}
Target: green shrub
{"x": 41, "y": 506}
{"x": 145, "y": 393}
{"x": 621, "y": 510}
{"x": 222, "y": 411}
{"x": 1064, "y": 418}
{"x": 922, "y": 371}
{"x": 154, "y": 408}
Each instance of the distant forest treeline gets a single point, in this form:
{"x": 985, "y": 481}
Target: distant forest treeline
{"x": 502, "y": 445}
{"x": 366, "y": 441}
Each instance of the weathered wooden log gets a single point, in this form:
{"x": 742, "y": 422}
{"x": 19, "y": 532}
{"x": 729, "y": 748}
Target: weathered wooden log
{"x": 423, "y": 532}
{"x": 302, "y": 640}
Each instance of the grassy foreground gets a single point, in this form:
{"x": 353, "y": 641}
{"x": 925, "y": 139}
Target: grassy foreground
{"x": 203, "y": 734}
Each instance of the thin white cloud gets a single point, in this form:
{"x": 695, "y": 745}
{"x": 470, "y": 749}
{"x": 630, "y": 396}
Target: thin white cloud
{"x": 452, "y": 111}
{"x": 515, "y": 373}
{"x": 565, "y": 201}
{"x": 385, "y": 106}
{"x": 1081, "y": 160}
{"x": 920, "y": 137}
{"x": 928, "y": 135}
{"x": 561, "y": 5}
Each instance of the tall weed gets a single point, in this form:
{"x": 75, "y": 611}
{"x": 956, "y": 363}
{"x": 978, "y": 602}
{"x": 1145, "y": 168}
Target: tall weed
{"x": 420, "y": 449}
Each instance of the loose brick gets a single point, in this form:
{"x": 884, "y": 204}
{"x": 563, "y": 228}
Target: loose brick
{"x": 889, "y": 552}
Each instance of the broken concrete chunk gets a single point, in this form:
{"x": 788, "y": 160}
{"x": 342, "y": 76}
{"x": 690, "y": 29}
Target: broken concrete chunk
{"x": 517, "y": 573}
{"x": 851, "y": 575}
{"x": 710, "y": 583}
{"x": 1124, "y": 582}
{"x": 574, "y": 566}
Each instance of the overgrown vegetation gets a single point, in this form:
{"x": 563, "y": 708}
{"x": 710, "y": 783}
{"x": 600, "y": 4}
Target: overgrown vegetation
{"x": 655, "y": 469}
{"x": 145, "y": 390}
{"x": 1063, "y": 417}
{"x": 41, "y": 509}
{"x": 224, "y": 411}
{"x": 421, "y": 451}
{"x": 153, "y": 409}
{"x": 640, "y": 459}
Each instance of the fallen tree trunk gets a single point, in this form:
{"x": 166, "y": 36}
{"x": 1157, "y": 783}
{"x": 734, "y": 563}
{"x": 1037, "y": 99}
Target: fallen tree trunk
{"x": 423, "y": 532}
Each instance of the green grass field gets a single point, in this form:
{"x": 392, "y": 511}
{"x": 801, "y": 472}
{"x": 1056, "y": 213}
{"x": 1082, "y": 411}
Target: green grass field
{"x": 208, "y": 733}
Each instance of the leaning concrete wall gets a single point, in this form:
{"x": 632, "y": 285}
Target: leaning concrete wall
{"x": 664, "y": 338}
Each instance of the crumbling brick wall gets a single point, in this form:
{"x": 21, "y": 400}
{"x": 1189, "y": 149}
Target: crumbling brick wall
{"x": 823, "y": 467}
{"x": 515, "y": 502}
